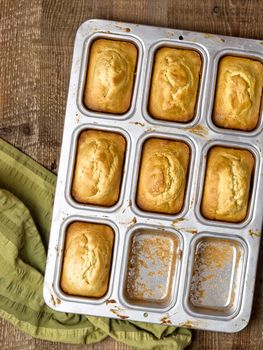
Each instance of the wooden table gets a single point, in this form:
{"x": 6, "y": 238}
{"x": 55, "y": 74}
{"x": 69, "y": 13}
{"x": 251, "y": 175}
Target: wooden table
{"x": 36, "y": 42}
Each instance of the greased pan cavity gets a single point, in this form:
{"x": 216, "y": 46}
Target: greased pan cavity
{"x": 208, "y": 281}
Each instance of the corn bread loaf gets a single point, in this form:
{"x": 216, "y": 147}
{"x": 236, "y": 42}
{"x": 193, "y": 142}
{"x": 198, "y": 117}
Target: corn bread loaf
{"x": 174, "y": 86}
{"x": 238, "y": 93}
{"x": 110, "y": 77}
{"x": 87, "y": 259}
{"x": 162, "y": 177}
{"x": 227, "y": 184}
{"x": 98, "y": 168}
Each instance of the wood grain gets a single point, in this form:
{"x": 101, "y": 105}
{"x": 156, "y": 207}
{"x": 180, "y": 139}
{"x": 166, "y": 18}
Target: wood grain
{"x": 36, "y": 43}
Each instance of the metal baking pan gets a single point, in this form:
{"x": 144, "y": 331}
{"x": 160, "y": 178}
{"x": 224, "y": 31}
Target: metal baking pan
{"x": 207, "y": 281}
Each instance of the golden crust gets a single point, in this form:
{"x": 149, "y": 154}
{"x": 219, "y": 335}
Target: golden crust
{"x": 111, "y": 72}
{"x": 238, "y": 93}
{"x": 174, "y": 86}
{"x": 98, "y": 169}
{"x": 227, "y": 184}
{"x": 162, "y": 178}
{"x": 87, "y": 259}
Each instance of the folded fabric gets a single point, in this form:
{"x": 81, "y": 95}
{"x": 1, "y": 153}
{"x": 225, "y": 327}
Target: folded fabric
{"x": 26, "y": 198}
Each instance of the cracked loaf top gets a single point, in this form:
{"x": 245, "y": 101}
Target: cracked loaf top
{"x": 87, "y": 259}
{"x": 174, "y": 86}
{"x": 238, "y": 93}
{"x": 110, "y": 77}
{"x": 98, "y": 167}
{"x": 163, "y": 175}
{"x": 227, "y": 184}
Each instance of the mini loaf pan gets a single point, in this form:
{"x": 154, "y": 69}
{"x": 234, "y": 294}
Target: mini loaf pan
{"x": 60, "y": 256}
{"x": 216, "y": 274}
{"x": 253, "y": 183}
{"x": 83, "y": 74}
{"x": 151, "y": 268}
{"x": 148, "y": 79}
{"x": 74, "y": 148}
{"x": 218, "y": 56}
{"x": 192, "y": 153}
{"x": 180, "y": 269}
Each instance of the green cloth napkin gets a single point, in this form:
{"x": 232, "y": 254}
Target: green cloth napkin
{"x": 26, "y": 198}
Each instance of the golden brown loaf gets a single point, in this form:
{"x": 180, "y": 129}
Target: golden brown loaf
{"x": 175, "y": 82}
{"x": 238, "y": 93}
{"x": 162, "y": 178}
{"x": 98, "y": 169}
{"x": 110, "y": 76}
{"x": 227, "y": 184}
{"x": 87, "y": 259}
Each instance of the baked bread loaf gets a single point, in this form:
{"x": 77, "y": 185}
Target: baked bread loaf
{"x": 162, "y": 177}
{"x": 98, "y": 168}
{"x": 238, "y": 93}
{"x": 111, "y": 72}
{"x": 227, "y": 184}
{"x": 174, "y": 86}
{"x": 87, "y": 259}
